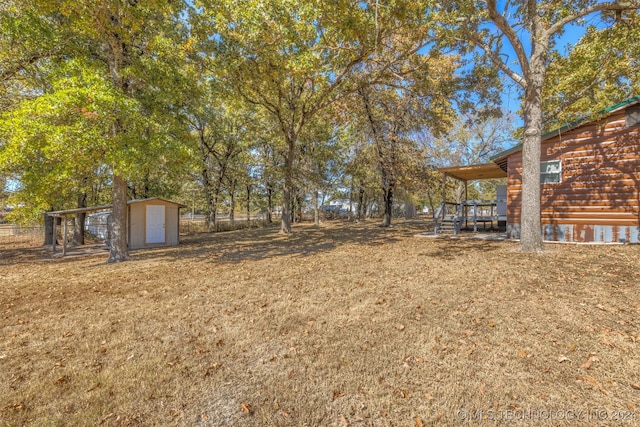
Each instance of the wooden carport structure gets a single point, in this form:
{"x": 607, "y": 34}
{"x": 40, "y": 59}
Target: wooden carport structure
{"x": 471, "y": 173}
{"x": 64, "y": 216}
{"x": 452, "y": 215}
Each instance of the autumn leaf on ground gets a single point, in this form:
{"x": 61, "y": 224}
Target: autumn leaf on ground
{"x": 419, "y": 422}
{"x": 246, "y": 408}
{"x": 608, "y": 343}
{"x": 594, "y": 382}
{"x": 589, "y": 362}
{"x": 343, "y": 421}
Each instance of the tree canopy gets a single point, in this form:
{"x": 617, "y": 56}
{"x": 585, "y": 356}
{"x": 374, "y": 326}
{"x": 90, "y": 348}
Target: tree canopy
{"x": 275, "y": 103}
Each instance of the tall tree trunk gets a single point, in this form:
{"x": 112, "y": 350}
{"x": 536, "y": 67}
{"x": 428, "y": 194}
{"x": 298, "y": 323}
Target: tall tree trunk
{"x": 294, "y": 199}
{"x": 388, "y": 205}
{"x": 432, "y": 208}
{"x": 213, "y": 211}
{"x": 287, "y": 187}
{"x": 118, "y": 250}
{"x": 215, "y": 196}
{"x": 362, "y": 207}
{"x": 78, "y": 230}
{"x": 146, "y": 189}
{"x": 386, "y": 160}
{"x": 248, "y": 204}
{"x": 316, "y": 209}
{"x": 530, "y": 224}
{"x": 48, "y": 230}
{"x": 299, "y": 205}
{"x": 117, "y": 57}
{"x": 232, "y": 202}
{"x": 269, "y": 203}
{"x": 210, "y": 217}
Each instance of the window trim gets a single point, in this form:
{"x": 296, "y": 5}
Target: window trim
{"x": 557, "y": 173}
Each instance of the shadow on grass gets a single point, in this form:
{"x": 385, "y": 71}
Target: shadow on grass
{"x": 448, "y": 249}
{"x": 256, "y": 244}
{"x": 12, "y": 255}
{"x": 246, "y": 245}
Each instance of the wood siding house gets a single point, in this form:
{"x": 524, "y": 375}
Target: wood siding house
{"x": 590, "y": 178}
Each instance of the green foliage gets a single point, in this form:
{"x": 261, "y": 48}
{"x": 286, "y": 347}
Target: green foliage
{"x": 28, "y": 40}
{"x": 105, "y": 99}
{"x": 601, "y": 70}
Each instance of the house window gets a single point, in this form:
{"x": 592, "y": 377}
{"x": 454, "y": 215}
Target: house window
{"x": 550, "y": 172}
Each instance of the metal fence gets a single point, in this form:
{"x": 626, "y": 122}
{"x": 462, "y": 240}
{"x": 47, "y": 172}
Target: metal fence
{"x": 13, "y": 233}
{"x": 199, "y": 225}
{"x": 34, "y": 235}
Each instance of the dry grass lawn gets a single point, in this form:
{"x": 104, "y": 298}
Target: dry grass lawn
{"x": 344, "y": 325}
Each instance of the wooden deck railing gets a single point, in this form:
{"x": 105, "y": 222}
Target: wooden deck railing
{"x": 467, "y": 215}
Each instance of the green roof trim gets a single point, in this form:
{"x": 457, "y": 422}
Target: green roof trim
{"x": 570, "y": 126}
{"x": 506, "y": 152}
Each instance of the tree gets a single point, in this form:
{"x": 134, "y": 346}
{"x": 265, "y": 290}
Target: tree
{"x": 531, "y": 29}
{"x": 267, "y": 166}
{"x": 473, "y": 139}
{"x": 601, "y": 70}
{"x": 295, "y": 58}
{"x": 28, "y": 40}
{"x": 222, "y": 127}
{"x": 133, "y": 45}
{"x": 54, "y": 145}
{"x": 321, "y": 159}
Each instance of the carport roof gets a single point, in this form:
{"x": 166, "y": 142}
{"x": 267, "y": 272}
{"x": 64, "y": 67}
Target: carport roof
{"x": 60, "y": 214}
{"x": 474, "y": 172}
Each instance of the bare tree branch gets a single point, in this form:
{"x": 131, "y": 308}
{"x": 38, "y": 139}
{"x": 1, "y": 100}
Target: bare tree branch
{"x": 495, "y": 58}
{"x": 502, "y": 24}
{"x": 599, "y": 7}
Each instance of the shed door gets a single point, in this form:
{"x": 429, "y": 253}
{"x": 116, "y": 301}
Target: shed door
{"x": 155, "y": 224}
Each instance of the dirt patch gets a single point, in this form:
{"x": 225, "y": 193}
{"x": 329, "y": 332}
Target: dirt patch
{"x": 346, "y": 324}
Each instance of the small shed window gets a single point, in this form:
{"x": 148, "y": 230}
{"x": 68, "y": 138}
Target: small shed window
{"x": 633, "y": 116}
{"x": 550, "y": 172}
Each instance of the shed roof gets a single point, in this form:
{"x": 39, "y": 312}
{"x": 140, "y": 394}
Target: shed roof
{"x": 63, "y": 213}
{"x": 473, "y": 172}
{"x": 131, "y": 202}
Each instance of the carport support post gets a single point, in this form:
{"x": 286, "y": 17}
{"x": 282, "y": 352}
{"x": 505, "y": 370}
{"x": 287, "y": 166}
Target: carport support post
{"x": 64, "y": 236}
{"x": 55, "y": 231}
{"x": 464, "y": 206}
